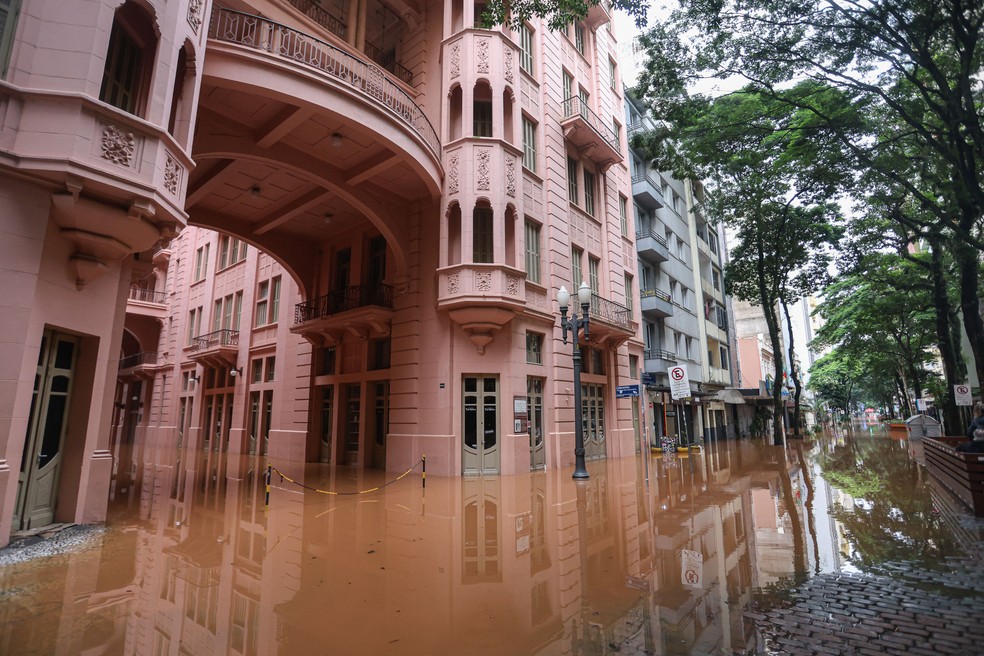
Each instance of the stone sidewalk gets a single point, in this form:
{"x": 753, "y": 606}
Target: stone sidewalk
{"x": 909, "y": 610}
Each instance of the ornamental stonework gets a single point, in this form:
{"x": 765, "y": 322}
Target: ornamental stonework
{"x": 117, "y": 145}
{"x": 483, "y": 169}
{"x": 511, "y": 177}
{"x": 453, "y": 173}
{"x": 172, "y": 174}
{"x": 454, "y": 283}
{"x": 455, "y": 59}
{"x": 508, "y": 63}
{"x": 195, "y": 14}
{"x": 483, "y": 282}
{"x": 512, "y": 286}
{"x": 482, "y": 56}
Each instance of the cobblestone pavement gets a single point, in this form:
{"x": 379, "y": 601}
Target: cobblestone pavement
{"x": 907, "y": 610}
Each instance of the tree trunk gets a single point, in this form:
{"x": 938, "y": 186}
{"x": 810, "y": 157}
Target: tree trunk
{"x": 948, "y": 354}
{"x": 967, "y": 264}
{"x": 793, "y": 373}
{"x": 768, "y": 298}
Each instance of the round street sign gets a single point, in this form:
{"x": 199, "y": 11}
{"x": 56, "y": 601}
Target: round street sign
{"x": 677, "y": 373}
{"x": 962, "y": 389}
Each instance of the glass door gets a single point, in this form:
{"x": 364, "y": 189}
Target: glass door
{"x": 480, "y": 430}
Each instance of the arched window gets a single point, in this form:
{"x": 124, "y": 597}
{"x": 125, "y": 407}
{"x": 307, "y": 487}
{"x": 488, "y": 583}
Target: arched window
{"x": 482, "y": 237}
{"x": 454, "y": 114}
{"x": 510, "y": 236}
{"x": 179, "y": 123}
{"x": 454, "y": 234}
{"x": 457, "y": 15}
{"x": 129, "y": 60}
{"x": 482, "y": 110}
{"x": 509, "y": 133}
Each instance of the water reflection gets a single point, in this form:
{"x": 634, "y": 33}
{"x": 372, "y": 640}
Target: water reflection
{"x": 195, "y": 563}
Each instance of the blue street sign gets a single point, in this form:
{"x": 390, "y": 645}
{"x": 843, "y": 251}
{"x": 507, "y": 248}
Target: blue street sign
{"x": 648, "y": 378}
{"x": 626, "y": 391}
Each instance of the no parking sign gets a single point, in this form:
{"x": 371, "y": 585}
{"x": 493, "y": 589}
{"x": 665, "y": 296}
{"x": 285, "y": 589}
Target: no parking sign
{"x": 692, "y": 569}
{"x": 962, "y": 396}
{"x": 679, "y": 382}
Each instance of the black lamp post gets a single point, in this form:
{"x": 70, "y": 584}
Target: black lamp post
{"x": 574, "y": 325}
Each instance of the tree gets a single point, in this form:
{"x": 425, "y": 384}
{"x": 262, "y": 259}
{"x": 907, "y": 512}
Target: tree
{"x": 882, "y": 319}
{"x": 911, "y": 68}
{"x": 770, "y": 183}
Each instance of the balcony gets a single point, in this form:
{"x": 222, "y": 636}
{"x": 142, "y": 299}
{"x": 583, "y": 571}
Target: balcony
{"x": 647, "y": 191}
{"x": 340, "y": 68}
{"x": 598, "y": 15}
{"x": 651, "y": 246}
{"x": 387, "y": 59}
{"x": 658, "y": 361}
{"x": 139, "y": 365}
{"x": 364, "y": 310}
{"x": 313, "y": 10}
{"x": 481, "y": 298}
{"x": 718, "y": 376}
{"x": 218, "y": 348}
{"x": 656, "y": 304}
{"x": 146, "y": 302}
{"x": 594, "y": 139}
{"x": 610, "y": 321}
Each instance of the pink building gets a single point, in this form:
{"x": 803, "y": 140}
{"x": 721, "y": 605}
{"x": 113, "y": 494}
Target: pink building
{"x": 398, "y": 195}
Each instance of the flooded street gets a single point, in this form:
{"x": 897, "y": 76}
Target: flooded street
{"x": 193, "y": 562}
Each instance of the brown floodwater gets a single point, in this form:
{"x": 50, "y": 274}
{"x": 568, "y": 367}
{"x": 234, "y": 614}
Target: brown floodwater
{"x": 661, "y": 556}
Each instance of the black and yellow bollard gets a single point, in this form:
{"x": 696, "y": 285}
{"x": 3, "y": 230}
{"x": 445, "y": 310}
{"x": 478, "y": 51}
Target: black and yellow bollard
{"x": 423, "y": 471}
{"x": 266, "y": 501}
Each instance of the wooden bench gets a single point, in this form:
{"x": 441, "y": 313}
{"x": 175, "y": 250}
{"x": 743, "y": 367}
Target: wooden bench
{"x": 961, "y": 473}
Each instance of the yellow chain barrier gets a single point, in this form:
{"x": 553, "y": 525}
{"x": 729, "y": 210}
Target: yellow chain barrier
{"x": 285, "y": 477}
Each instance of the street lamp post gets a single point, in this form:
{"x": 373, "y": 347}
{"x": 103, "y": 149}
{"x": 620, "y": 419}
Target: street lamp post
{"x": 573, "y": 325}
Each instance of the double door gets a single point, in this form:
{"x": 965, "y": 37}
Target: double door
{"x": 480, "y": 430}
{"x": 37, "y": 483}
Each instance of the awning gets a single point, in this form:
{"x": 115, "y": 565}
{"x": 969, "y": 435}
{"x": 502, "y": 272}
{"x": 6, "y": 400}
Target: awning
{"x": 729, "y": 395}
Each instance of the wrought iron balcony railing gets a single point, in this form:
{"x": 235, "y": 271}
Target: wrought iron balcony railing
{"x": 321, "y": 17}
{"x": 610, "y": 312}
{"x": 655, "y": 293}
{"x": 147, "y": 295}
{"x": 137, "y": 359}
{"x": 659, "y": 354}
{"x": 216, "y": 339}
{"x": 573, "y": 106}
{"x": 365, "y": 79}
{"x": 650, "y": 234}
{"x": 343, "y": 300}
{"x": 387, "y": 59}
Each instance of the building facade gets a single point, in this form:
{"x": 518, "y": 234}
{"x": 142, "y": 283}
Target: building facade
{"x": 685, "y": 321}
{"x": 396, "y": 196}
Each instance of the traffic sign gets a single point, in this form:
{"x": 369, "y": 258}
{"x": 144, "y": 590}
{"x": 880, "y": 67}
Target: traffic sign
{"x": 679, "y": 382}
{"x": 692, "y": 569}
{"x": 962, "y": 395}
{"x": 648, "y": 378}
{"x": 626, "y": 391}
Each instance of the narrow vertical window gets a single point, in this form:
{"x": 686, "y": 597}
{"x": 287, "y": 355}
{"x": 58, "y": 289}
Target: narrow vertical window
{"x": 577, "y": 275}
{"x": 532, "y": 251}
{"x": 534, "y": 348}
{"x": 529, "y": 144}
{"x": 623, "y": 219}
{"x": 579, "y": 37}
{"x": 482, "y": 235}
{"x": 593, "y": 265}
{"x": 262, "y": 303}
{"x": 526, "y": 49}
{"x": 9, "y": 9}
{"x": 568, "y": 87}
{"x": 611, "y": 74}
{"x": 572, "y": 192}
{"x": 589, "y": 192}
{"x": 629, "y": 293}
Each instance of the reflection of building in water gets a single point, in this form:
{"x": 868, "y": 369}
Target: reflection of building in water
{"x": 526, "y": 564}
{"x": 721, "y": 505}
